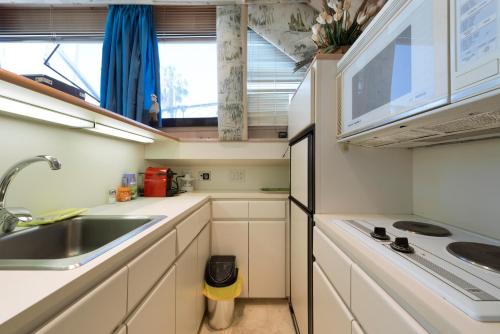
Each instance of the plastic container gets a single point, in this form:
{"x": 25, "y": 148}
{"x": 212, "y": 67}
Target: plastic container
{"x": 222, "y": 286}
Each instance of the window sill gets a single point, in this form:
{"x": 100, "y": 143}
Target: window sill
{"x": 83, "y": 108}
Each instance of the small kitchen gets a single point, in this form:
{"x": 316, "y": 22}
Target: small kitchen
{"x": 336, "y": 161}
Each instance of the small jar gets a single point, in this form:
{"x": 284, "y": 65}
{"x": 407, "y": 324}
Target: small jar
{"x": 123, "y": 194}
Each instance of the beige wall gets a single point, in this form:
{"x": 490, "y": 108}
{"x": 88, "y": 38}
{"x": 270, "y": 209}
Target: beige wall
{"x": 92, "y": 164}
{"x": 460, "y": 184}
{"x": 255, "y": 176}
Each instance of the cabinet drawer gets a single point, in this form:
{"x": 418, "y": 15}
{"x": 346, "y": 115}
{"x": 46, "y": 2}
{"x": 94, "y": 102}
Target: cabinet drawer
{"x": 156, "y": 314}
{"x": 188, "y": 229}
{"x": 334, "y": 263}
{"x": 99, "y": 311}
{"x": 229, "y": 209}
{"x": 146, "y": 269}
{"x": 267, "y": 209}
{"x": 331, "y": 315}
{"x": 375, "y": 310}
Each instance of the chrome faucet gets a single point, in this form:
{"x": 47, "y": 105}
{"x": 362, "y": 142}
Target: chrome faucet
{"x": 10, "y": 218}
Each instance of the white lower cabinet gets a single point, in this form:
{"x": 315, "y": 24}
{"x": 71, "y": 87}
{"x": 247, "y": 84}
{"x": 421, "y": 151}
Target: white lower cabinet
{"x": 186, "y": 289}
{"x": 331, "y": 316}
{"x": 147, "y": 268}
{"x": 231, "y": 238}
{"x": 356, "y": 328}
{"x": 266, "y": 252}
{"x": 99, "y": 311}
{"x": 375, "y": 310}
{"x": 156, "y": 314}
{"x": 203, "y": 255}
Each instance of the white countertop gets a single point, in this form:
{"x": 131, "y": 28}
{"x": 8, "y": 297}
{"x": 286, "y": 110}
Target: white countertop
{"x": 28, "y": 297}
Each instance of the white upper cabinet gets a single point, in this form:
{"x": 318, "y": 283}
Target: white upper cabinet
{"x": 301, "y": 108}
{"x": 399, "y": 67}
{"x": 475, "y": 49}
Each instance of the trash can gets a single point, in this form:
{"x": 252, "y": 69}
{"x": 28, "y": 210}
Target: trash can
{"x": 222, "y": 286}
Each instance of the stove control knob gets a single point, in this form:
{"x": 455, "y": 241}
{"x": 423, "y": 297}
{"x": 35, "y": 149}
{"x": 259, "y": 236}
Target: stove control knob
{"x": 402, "y": 245}
{"x": 379, "y": 234}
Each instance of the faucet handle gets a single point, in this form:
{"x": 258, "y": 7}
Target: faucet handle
{"x": 23, "y": 215}
{"x": 8, "y": 221}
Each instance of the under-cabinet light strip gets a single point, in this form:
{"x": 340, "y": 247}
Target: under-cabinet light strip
{"x": 26, "y": 109}
{"x": 114, "y": 132}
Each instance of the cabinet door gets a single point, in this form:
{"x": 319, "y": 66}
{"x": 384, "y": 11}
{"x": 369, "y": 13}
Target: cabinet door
{"x": 146, "y": 269}
{"x": 231, "y": 238}
{"x": 99, "y": 311}
{"x": 266, "y": 253}
{"x": 186, "y": 288}
{"x": 334, "y": 263}
{"x": 203, "y": 255}
{"x": 367, "y": 296}
{"x": 330, "y": 313}
{"x": 156, "y": 314}
{"x": 299, "y": 278}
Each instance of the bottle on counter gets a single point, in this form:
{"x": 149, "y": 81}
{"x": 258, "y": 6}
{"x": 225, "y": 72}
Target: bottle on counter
{"x": 111, "y": 196}
{"x": 130, "y": 180}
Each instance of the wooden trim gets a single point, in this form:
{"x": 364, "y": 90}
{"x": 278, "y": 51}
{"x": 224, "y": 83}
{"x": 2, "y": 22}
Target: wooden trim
{"x": 49, "y": 91}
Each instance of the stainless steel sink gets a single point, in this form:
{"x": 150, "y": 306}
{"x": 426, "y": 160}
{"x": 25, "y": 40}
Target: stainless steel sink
{"x": 70, "y": 243}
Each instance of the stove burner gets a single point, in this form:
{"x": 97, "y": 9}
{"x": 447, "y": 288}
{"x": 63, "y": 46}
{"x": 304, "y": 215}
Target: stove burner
{"x": 422, "y": 228}
{"x": 482, "y": 255}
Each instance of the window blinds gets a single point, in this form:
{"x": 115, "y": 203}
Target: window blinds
{"x": 270, "y": 82}
{"x": 20, "y": 23}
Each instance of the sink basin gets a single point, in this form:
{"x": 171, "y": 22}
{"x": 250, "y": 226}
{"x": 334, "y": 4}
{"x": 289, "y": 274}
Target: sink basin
{"x": 70, "y": 243}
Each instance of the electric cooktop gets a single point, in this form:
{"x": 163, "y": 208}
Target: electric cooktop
{"x": 461, "y": 266}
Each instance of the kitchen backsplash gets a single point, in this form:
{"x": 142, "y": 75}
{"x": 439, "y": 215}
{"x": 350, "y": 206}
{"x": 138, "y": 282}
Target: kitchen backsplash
{"x": 238, "y": 177}
{"x": 91, "y": 164}
{"x": 459, "y": 184}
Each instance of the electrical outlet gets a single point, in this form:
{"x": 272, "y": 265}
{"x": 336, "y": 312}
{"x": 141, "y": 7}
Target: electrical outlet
{"x": 204, "y": 175}
{"x": 237, "y": 175}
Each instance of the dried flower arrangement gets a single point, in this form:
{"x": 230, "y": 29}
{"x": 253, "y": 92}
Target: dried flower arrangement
{"x": 336, "y": 29}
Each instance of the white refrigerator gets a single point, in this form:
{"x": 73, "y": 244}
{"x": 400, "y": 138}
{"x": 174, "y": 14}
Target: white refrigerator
{"x": 301, "y": 131}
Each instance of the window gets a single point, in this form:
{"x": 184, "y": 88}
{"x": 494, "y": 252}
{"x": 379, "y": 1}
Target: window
{"x": 188, "y": 81}
{"x": 66, "y": 44}
{"x": 271, "y": 82}
{"x": 76, "y": 64}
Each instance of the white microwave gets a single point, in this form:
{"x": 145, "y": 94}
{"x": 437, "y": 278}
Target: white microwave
{"x": 402, "y": 70}
{"x": 475, "y": 47}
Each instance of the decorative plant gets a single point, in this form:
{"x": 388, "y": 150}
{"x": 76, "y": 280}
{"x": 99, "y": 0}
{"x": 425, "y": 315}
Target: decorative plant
{"x": 336, "y": 29}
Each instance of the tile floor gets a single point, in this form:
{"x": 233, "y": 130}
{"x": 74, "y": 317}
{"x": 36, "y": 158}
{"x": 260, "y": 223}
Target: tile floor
{"x": 258, "y": 317}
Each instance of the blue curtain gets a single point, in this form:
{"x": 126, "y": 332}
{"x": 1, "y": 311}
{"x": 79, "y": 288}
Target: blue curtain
{"x": 130, "y": 70}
